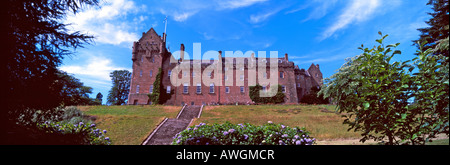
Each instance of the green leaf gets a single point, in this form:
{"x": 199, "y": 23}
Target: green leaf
{"x": 366, "y": 105}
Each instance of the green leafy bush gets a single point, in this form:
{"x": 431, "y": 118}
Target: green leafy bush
{"x": 62, "y": 125}
{"x": 80, "y": 134}
{"x": 255, "y": 95}
{"x": 389, "y": 99}
{"x": 243, "y": 134}
{"x": 314, "y": 98}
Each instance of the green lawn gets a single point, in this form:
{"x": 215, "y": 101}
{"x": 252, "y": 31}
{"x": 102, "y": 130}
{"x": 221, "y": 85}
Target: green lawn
{"x": 320, "y": 120}
{"x": 129, "y": 125}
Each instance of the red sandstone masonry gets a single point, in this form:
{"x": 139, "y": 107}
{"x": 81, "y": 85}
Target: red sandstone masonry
{"x": 149, "y": 54}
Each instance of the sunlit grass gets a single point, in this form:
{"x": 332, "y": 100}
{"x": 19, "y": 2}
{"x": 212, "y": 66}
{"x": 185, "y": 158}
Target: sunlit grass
{"x": 129, "y": 125}
{"x": 320, "y": 120}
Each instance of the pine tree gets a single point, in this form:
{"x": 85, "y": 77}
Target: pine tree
{"x": 439, "y": 26}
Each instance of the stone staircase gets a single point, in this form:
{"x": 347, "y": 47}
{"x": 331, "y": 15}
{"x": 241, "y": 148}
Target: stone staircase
{"x": 164, "y": 133}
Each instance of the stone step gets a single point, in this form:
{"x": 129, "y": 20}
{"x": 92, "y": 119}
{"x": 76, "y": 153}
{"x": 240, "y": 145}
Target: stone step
{"x": 164, "y": 135}
{"x": 190, "y": 112}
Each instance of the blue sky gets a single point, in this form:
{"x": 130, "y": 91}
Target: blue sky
{"x": 323, "y": 32}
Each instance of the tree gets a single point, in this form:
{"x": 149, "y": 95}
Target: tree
{"x": 118, "y": 95}
{"x": 313, "y": 97}
{"x": 35, "y": 41}
{"x": 72, "y": 91}
{"x": 99, "y": 98}
{"x": 375, "y": 94}
{"x": 255, "y": 95}
{"x": 438, "y": 29}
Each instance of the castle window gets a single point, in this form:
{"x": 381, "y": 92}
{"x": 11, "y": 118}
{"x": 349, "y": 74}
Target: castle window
{"x": 227, "y": 89}
{"x": 298, "y": 85}
{"x": 185, "y": 88}
{"x": 199, "y": 88}
{"x": 151, "y": 73}
{"x": 226, "y": 77}
{"x": 168, "y": 89}
{"x": 170, "y": 72}
{"x": 265, "y": 74}
{"x": 153, "y": 59}
{"x": 242, "y": 77}
{"x": 280, "y": 61}
{"x": 281, "y": 74}
{"x": 184, "y": 74}
{"x": 193, "y": 74}
{"x": 151, "y": 89}
{"x": 142, "y": 58}
{"x": 140, "y": 73}
{"x": 283, "y": 88}
{"x": 317, "y": 75}
{"x": 298, "y": 77}
{"x": 211, "y": 88}
{"x": 264, "y": 88}
{"x": 242, "y": 89}
{"x": 137, "y": 89}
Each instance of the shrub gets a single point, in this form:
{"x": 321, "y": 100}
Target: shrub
{"x": 314, "y": 98}
{"x": 255, "y": 95}
{"x": 61, "y": 126}
{"x": 80, "y": 134}
{"x": 243, "y": 134}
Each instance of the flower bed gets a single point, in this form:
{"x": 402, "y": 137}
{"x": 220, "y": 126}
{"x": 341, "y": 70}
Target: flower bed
{"x": 243, "y": 134}
{"x": 85, "y": 134}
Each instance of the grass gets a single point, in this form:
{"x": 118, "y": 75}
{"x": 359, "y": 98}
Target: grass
{"x": 129, "y": 125}
{"x": 320, "y": 120}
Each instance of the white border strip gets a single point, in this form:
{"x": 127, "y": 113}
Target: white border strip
{"x": 181, "y": 111}
{"x": 200, "y": 113}
{"x": 154, "y": 131}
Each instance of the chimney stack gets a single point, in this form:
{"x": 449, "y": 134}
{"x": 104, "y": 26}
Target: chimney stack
{"x": 182, "y": 52}
{"x": 286, "y": 57}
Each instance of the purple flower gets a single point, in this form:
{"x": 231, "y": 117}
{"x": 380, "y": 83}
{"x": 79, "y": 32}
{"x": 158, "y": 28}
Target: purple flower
{"x": 104, "y": 131}
{"x": 270, "y": 122}
{"x": 107, "y": 138}
{"x": 92, "y": 125}
{"x": 285, "y": 135}
{"x": 81, "y": 123}
{"x": 225, "y": 133}
{"x": 296, "y": 136}
{"x": 231, "y": 130}
{"x": 245, "y": 136}
{"x": 282, "y": 126}
{"x": 298, "y": 142}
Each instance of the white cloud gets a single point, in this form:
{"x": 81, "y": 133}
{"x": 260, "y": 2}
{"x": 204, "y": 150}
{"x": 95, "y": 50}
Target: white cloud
{"x": 356, "y": 11}
{"x": 261, "y": 17}
{"x": 95, "y": 68}
{"x": 107, "y": 23}
{"x": 257, "y": 18}
{"x": 234, "y": 4}
{"x": 180, "y": 17}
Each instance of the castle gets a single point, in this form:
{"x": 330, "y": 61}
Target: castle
{"x": 150, "y": 53}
